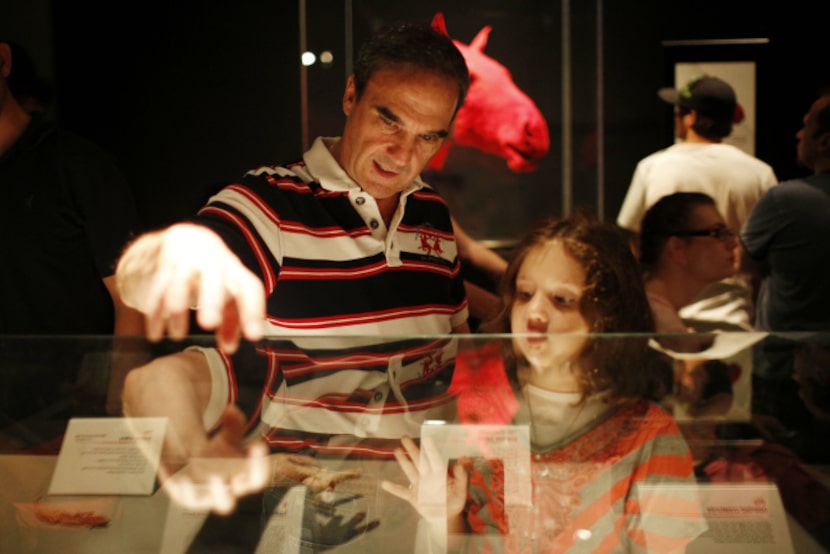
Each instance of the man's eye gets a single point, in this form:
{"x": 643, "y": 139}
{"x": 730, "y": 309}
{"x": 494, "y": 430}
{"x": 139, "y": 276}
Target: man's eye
{"x": 431, "y": 137}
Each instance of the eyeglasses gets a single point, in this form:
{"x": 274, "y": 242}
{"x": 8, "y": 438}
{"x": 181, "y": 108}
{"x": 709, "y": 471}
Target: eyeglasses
{"x": 720, "y": 233}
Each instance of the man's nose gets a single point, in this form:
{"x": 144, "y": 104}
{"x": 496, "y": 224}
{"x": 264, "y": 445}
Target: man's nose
{"x": 401, "y": 148}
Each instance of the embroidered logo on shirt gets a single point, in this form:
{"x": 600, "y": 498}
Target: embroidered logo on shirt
{"x": 432, "y": 363}
{"x": 430, "y": 242}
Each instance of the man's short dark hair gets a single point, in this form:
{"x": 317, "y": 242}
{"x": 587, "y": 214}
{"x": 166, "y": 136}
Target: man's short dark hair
{"x": 712, "y": 128}
{"x": 713, "y": 101}
{"x": 415, "y": 45}
{"x": 707, "y": 126}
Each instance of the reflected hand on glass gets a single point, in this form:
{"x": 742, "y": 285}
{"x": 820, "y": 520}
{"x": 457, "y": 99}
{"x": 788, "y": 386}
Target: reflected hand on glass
{"x": 221, "y": 471}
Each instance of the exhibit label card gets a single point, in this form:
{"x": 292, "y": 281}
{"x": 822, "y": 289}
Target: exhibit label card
{"x": 447, "y": 442}
{"x": 109, "y": 456}
{"x": 740, "y": 518}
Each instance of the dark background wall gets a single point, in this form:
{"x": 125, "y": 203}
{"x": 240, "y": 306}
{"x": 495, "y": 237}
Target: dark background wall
{"x": 188, "y": 95}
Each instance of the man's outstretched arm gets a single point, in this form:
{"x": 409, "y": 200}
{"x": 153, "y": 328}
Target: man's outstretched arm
{"x": 163, "y": 274}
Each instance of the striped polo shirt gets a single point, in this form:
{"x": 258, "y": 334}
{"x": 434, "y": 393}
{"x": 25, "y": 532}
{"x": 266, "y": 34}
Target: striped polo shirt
{"x": 329, "y": 264}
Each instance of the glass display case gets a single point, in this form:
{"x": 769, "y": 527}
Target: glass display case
{"x": 412, "y": 444}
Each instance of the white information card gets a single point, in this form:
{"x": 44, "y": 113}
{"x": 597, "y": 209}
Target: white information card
{"x": 109, "y": 456}
{"x": 509, "y": 443}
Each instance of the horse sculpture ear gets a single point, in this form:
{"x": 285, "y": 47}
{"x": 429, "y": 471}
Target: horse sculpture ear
{"x": 480, "y": 40}
{"x": 439, "y": 24}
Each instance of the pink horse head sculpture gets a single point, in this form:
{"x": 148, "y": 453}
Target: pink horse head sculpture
{"x": 496, "y": 117}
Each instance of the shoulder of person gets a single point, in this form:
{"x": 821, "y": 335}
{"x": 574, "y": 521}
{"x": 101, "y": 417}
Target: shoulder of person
{"x": 80, "y": 149}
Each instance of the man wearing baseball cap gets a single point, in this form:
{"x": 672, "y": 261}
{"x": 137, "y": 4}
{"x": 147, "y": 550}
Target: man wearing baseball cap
{"x": 704, "y": 111}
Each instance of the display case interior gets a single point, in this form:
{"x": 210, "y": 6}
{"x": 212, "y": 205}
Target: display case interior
{"x": 366, "y": 444}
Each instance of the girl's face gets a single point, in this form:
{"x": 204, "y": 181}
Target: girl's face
{"x": 549, "y": 288}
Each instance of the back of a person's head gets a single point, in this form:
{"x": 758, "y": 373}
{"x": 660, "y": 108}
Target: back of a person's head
{"x": 669, "y": 215}
{"x": 714, "y": 128}
{"x": 712, "y": 99}
{"x": 412, "y": 45}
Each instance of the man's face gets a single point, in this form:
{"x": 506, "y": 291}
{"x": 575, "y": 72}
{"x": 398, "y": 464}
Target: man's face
{"x": 808, "y": 142}
{"x": 395, "y": 127}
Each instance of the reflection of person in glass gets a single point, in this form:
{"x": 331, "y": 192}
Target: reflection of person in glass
{"x": 604, "y": 457}
{"x": 321, "y": 412}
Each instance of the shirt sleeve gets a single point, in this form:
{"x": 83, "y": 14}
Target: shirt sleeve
{"x": 239, "y": 215}
{"x": 663, "y": 510}
{"x": 764, "y": 222}
{"x": 633, "y": 205}
{"x": 240, "y": 379}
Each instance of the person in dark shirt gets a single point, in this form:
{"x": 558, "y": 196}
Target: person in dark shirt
{"x": 66, "y": 214}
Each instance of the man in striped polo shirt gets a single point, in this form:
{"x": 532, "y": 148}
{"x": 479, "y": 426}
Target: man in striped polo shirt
{"x": 346, "y": 241}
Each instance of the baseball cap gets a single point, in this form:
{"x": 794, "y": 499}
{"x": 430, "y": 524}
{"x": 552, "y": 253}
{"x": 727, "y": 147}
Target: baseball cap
{"x": 705, "y": 94}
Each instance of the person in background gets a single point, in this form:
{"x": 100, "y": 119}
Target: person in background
{"x": 704, "y": 112}
{"x": 66, "y": 217}
{"x": 784, "y": 237}
{"x": 346, "y": 241}
{"x": 785, "y": 244}
{"x": 600, "y": 449}
{"x": 685, "y": 246}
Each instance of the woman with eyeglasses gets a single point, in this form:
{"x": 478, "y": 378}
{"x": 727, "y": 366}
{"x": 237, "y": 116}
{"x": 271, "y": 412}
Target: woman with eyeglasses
{"x": 685, "y": 245}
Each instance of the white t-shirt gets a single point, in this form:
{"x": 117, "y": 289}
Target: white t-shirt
{"x": 733, "y": 178}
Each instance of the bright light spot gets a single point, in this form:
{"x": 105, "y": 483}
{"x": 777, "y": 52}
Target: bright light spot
{"x": 308, "y": 58}
{"x": 326, "y": 57}
{"x": 583, "y": 534}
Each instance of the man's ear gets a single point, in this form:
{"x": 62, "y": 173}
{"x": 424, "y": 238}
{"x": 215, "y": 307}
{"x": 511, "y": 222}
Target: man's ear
{"x": 349, "y": 96}
{"x": 5, "y": 59}
{"x": 690, "y": 119}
